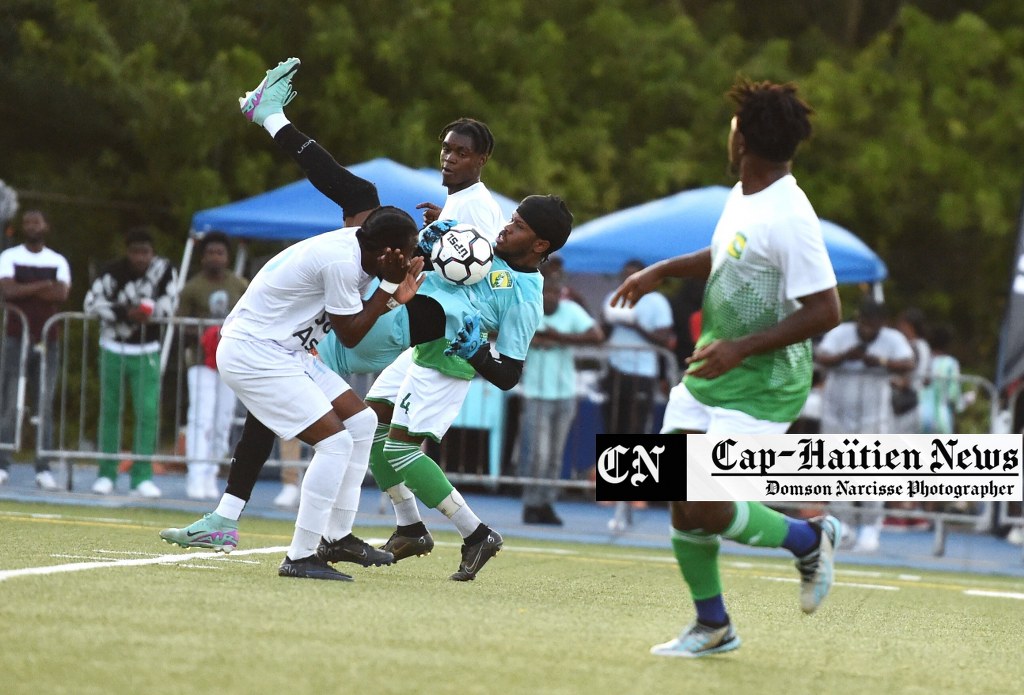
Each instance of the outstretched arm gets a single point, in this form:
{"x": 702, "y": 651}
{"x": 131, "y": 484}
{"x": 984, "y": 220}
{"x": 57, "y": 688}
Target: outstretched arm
{"x": 691, "y": 265}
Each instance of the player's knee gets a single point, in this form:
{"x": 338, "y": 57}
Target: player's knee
{"x": 338, "y": 443}
{"x": 362, "y": 425}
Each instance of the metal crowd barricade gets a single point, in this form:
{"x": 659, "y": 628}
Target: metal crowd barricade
{"x": 467, "y": 461}
{"x": 852, "y": 404}
{"x": 14, "y": 347}
{"x": 76, "y": 408}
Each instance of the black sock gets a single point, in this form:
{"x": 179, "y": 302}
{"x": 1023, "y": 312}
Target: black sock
{"x": 480, "y": 534}
{"x": 417, "y": 529}
{"x": 251, "y": 452}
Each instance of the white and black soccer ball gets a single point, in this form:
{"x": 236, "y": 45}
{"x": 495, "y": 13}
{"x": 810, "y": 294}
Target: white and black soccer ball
{"x": 462, "y": 255}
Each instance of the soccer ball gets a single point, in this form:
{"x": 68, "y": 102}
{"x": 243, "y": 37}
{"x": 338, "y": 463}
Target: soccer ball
{"x": 462, "y": 255}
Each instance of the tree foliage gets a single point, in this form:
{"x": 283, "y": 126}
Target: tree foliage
{"x": 121, "y": 112}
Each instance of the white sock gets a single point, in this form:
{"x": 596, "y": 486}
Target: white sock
{"x": 455, "y": 508}
{"x": 230, "y": 507}
{"x": 319, "y": 488}
{"x": 406, "y": 510}
{"x": 361, "y": 426}
{"x": 273, "y": 123}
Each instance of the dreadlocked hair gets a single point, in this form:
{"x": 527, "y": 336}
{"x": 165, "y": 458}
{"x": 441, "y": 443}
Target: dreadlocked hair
{"x": 771, "y": 117}
{"x": 477, "y": 131}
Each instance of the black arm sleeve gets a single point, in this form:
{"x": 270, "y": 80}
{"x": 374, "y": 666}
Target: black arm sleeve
{"x": 352, "y": 193}
{"x": 426, "y": 319}
{"x": 503, "y": 372}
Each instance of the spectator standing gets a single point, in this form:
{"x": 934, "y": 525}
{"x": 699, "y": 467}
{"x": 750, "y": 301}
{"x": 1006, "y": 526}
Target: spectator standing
{"x": 126, "y": 295}
{"x": 940, "y": 397}
{"x": 210, "y": 294}
{"x": 633, "y": 368}
{"x": 633, "y": 333}
{"x": 549, "y": 396}
{"x": 911, "y": 324}
{"x": 35, "y": 279}
{"x": 862, "y": 356}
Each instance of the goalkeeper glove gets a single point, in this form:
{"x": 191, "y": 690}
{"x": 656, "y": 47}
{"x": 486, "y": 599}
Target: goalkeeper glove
{"x": 468, "y": 340}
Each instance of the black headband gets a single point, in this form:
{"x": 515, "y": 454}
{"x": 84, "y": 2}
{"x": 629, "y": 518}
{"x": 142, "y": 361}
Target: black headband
{"x": 548, "y": 217}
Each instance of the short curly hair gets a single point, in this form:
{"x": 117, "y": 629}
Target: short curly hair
{"x": 771, "y": 117}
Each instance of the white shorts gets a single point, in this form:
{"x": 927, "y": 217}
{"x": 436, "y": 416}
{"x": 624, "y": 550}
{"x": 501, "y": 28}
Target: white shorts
{"x": 426, "y": 401}
{"x": 684, "y": 412}
{"x": 286, "y": 390}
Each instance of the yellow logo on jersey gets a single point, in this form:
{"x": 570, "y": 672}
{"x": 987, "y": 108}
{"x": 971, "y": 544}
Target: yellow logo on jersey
{"x": 739, "y": 243}
{"x": 500, "y": 279}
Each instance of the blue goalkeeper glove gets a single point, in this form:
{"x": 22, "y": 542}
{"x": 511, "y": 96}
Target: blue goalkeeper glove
{"x": 432, "y": 232}
{"x": 468, "y": 340}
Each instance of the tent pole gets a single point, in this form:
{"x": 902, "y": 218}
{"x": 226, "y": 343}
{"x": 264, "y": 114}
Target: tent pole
{"x": 186, "y": 258}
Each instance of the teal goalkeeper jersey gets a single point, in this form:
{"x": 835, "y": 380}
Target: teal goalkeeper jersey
{"x": 509, "y": 302}
{"x": 382, "y": 344}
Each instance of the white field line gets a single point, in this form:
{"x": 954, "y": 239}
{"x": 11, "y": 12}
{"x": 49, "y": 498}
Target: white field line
{"x": 995, "y": 594}
{"x": 154, "y": 559}
{"x": 134, "y": 562}
{"x": 855, "y": 585}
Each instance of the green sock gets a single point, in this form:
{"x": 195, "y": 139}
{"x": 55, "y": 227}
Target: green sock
{"x": 383, "y": 473}
{"x": 424, "y": 477}
{"x": 756, "y": 524}
{"x": 697, "y": 555}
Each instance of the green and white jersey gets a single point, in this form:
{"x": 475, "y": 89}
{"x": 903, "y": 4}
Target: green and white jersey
{"x": 767, "y": 250}
{"x": 509, "y": 301}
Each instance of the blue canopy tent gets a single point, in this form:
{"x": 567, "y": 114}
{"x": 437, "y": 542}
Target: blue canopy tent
{"x": 684, "y": 222}
{"x": 298, "y": 210}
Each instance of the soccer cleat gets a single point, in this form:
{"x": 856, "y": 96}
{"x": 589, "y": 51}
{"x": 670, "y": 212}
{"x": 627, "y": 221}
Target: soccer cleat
{"x": 310, "y": 567}
{"x": 699, "y": 640}
{"x": 818, "y": 566}
{"x": 475, "y": 556}
{"x": 212, "y": 531}
{"x": 408, "y": 546}
{"x": 272, "y": 94}
{"x": 352, "y": 549}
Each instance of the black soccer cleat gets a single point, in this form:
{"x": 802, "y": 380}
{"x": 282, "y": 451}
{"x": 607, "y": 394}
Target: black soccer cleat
{"x": 475, "y": 556}
{"x": 408, "y": 546}
{"x": 310, "y": 567}
{"x": 352, "y": 549}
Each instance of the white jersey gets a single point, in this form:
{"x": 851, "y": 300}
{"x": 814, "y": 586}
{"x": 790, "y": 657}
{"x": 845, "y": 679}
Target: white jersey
{"x": 289, "y": 299}
{"x": 766, "y": 252}
{"x": 477, "y": 207}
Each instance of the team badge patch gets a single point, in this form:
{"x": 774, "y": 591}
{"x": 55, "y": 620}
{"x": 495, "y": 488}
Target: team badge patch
{"x": 500, "y": 279}
{"x": 739, "y": 243}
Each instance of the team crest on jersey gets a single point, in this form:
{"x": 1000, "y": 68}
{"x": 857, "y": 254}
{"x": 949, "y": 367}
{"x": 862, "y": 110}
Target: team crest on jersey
{"x": 500, "y": 279}
{"x": 739, "y": 242}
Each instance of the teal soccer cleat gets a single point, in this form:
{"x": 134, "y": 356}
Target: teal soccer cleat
{"x": 212, "y": 531}
{"x": 272, "y": 94}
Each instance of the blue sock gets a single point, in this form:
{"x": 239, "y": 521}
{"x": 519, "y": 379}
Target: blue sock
{"x": 801, "y": 538}
{"x": 711, "y": 611}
